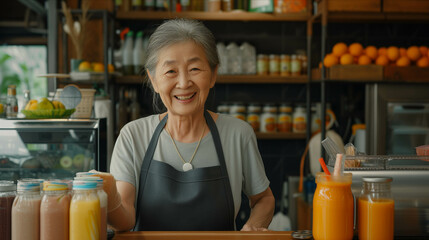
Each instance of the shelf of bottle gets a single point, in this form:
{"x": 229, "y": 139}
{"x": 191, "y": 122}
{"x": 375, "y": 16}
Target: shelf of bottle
{"x": 280, "y": 135}
{"x": 212, "y": 16}
{"x": 230, "y": 79}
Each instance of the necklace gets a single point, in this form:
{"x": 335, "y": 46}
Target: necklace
{"x": 186, "y": 165}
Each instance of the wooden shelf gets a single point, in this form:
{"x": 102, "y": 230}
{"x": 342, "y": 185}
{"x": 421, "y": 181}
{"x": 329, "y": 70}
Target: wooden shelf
{"x": 230, "y": 79}
{"x": 293, "y": 136}
{"x": 377, "y": 17}
{"x": 212, "y": 16}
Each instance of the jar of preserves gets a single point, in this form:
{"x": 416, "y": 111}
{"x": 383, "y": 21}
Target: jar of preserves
{"x": 285, "y": 65}
{"x": 333, "y": 207}
{"x": 376, "y": 209}
{"x": 84, "y": 211}
{"x": 269, "y": 118}
{"x": 26, "y": 210}
{"x": 238, "y": 110}
{"x": 262, "y": 64}
{"x": 254, "y": 116}
{"x": 304, "y": 64}
{"x": 54, "y": 211}
{"x": 295, "y": 65}
{"x": 284, "y": 119}
{"x": 223, "y": 108}
{"x": 274, "y": 69}
{"x": 7, "y": 195}
{"x": 299, "y": 119}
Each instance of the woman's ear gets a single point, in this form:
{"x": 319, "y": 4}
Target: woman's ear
{"x": 152, "y": 81}
{"x": 214, "y": 77}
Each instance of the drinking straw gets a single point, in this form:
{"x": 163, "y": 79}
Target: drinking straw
{"x": 338, "y": 171}
{"x": 325, "y": 169}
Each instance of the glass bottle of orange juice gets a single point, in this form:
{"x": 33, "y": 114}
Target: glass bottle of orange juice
{"x": 333, "y": 207}
{"x": 85, "y": 211}
{"x": 376, "y": 209}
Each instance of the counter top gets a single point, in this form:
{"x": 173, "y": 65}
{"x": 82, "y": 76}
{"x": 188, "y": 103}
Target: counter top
{"x": 206, "y": 235}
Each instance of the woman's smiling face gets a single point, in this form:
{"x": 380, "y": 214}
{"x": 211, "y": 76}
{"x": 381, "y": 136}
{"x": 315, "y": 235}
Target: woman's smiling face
{"x": 183, "y": 78}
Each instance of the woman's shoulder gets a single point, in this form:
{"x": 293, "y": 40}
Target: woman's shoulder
{"x": 145, "y": 124}
{"x": 229, "y": 124}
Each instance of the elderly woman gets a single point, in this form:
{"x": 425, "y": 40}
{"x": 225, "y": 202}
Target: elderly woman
{"x": 185, "y": 169}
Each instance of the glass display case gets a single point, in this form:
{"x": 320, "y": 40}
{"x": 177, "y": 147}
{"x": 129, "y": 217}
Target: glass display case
{"x": 51, "y": 148}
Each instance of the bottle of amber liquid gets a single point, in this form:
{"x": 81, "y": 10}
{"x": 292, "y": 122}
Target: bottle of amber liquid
{"x": 11, "y": 102}
{"x": 376, "y": 209}
{"x": 7, "y": 195}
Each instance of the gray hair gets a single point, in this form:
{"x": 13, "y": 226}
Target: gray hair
{"x": 176, "y": 31}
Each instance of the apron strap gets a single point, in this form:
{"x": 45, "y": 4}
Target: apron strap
{"x": 219, "y": 151}
{"x": 147, "y": 161}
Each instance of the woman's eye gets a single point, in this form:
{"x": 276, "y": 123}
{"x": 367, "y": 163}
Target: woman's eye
{"x": 195, "y": 69}
{"x": 170, "y": 72}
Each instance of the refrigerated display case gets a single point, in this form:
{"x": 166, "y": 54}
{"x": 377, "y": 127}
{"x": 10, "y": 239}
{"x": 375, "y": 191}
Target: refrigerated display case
{"x": 51, "y": 148}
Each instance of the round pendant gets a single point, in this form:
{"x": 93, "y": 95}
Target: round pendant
{"x": 187, "y": 166}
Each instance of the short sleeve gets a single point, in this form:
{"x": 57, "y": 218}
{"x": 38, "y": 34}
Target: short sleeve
{"x": 121, "y": 165}
{"x": 255, "y": 180}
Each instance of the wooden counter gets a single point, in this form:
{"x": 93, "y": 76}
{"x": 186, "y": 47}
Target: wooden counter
{"x": 227, "y": 235}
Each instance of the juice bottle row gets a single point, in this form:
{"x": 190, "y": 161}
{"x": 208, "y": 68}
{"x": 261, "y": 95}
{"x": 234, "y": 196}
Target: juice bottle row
{"x": 54, "y": 209}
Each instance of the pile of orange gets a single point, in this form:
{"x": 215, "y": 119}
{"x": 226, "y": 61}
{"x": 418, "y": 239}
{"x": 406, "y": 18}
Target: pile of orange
{"x": 355, "y": 53}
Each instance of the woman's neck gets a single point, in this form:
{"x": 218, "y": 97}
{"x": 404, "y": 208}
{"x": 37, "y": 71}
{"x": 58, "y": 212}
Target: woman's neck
{"x": 186, "y": 129}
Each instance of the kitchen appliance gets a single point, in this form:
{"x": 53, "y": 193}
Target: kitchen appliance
{"x": 409, "y": 187}
{"x": 397, "y": 118}
{"x": 51, "y": 148}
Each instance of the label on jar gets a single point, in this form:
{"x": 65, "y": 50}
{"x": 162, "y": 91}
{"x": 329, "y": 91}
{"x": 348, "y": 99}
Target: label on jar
{"x": 295, "y": 66}
{"x": 284, "y": 123}
{"x": 268, "y": 122}
{"x": 262, "y": 65}
{"x": 274, "y": 65}
{"x": 299, "y": 124}
{"x": 254, "y": 120}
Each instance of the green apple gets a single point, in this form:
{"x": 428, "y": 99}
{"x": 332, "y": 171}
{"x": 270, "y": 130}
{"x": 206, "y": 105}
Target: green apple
{"x": 66, "y": 162}
{"x": 78, "y": 161}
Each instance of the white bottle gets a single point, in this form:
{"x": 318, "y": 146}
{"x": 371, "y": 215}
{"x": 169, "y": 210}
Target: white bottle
{"x": 248, "y": 54}
{"x": 138, "y": 53}
{"x": 234, "y": 59}
{"x": 223, "y": 58}
{"x": 127, "y": 56}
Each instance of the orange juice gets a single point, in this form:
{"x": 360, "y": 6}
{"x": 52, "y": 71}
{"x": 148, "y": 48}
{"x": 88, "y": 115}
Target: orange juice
{"x": 375, "y": 219}
{"x": 333, "y": 208}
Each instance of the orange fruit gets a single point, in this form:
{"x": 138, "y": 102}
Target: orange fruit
{"x": 364, "y": 60}
{"x": 403, "y": 52}
{"x": 356, "y": 49}
{"x": 403, "y": 62}
{"x": 423, "y": 62}
{"x": 371, "y": 52}
{"x": 330, "y": 60}
{"x": 413, "y": 53}
{"x": 98, "y": 67}
{"x": 85, "y": 66}
{"x": 382, "y": 60}
{"x": 382, "y": 51}
{"x": 339, "y": 49}
{"x": 346, "y": 59}
{"x": 110, "y": 68}
{"x": 393, "y": 53}
{"x": 423, "y": 50}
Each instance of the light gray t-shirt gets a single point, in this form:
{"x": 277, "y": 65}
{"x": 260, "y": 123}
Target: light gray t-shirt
{"x": 243, "y": 161}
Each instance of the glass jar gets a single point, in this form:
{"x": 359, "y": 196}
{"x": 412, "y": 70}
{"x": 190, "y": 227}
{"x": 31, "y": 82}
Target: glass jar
{"x": 284, "y": 119}
{"x": 54, "y": 211}
{"x": 269, "y": 118}
{"x": 238, "y": 110}
{"x": 223, "y": 108}
{"x": 295, "y": 65}
{"x": 376, "y": 209}
{"x": 84, "y": 211}
{"x": 333, "y": 207}
{"x": 299, "y": 119}
{"x": 102, "y": 195}
{"x": 26, "y": 210}
{"x": 11, "y": 102}
{"x": 262, "y": 64}
{"x": 254, "y": 116}
{"x": 285, "y": 65}
{"x": 7, "y": 195}
{"x": 274, "y": 68}
{"x": 304, "y": 65}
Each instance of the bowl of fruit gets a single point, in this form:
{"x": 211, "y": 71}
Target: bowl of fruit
{"x": 44, "y": 108}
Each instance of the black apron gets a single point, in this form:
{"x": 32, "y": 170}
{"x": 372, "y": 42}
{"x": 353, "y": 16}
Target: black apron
{"x": 196, "y": 200}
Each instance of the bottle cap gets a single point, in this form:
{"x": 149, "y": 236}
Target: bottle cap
{"x": 29, "y": 185}
{"x": 7, "y": 186}
{"x": 54, "y": 185}
{"x": 84, "y": 185}
{"x": 377, "y": 179}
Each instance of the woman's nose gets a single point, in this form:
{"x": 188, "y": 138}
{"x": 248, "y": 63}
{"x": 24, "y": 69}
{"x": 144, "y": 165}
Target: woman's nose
{"x": 184, "y": 80}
